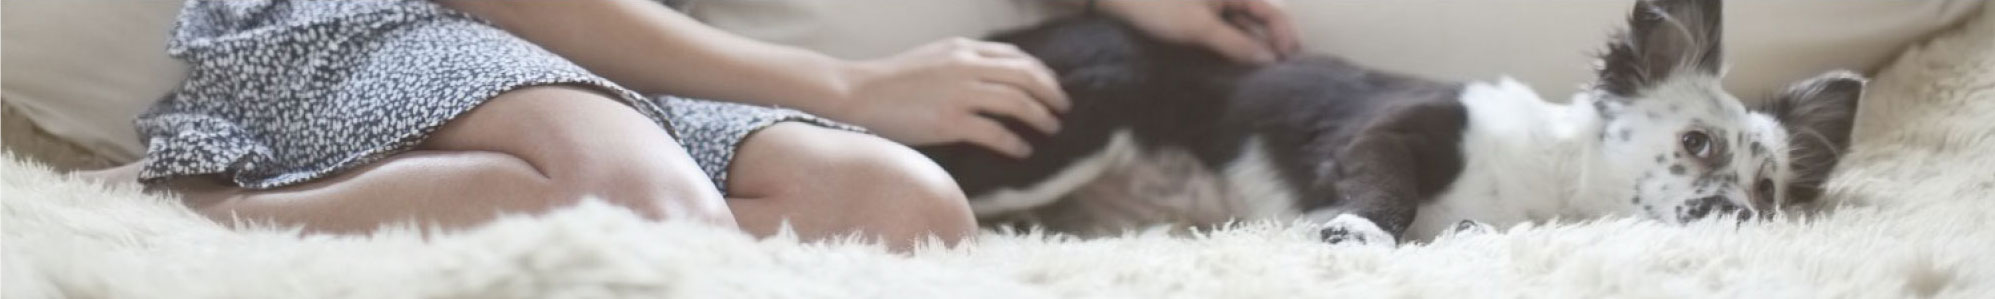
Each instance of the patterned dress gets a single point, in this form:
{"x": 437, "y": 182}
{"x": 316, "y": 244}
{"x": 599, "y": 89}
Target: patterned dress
{"x": 285, "y": 92}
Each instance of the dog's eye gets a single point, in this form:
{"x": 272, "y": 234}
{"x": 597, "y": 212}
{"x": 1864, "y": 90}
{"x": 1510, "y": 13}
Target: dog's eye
{"x": 1764, "y": 190}
{"x": 1697, "y": 143}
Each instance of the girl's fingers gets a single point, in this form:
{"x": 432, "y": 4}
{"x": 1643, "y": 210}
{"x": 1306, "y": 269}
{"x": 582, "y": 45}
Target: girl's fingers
{"x": 1013, "y": 103}
{"x": 989, "y": 134}
{"x": 999, "y": 50}
{"x": 1025, "y": 74}
{"x": 1280, "y": 28}
{"x": 1234, "y": 43}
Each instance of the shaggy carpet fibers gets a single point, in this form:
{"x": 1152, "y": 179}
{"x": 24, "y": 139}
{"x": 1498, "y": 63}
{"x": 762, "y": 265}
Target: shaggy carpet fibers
{"x": 1915, "y": 222}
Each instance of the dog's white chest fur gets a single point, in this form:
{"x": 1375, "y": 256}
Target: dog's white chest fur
{"x": 1518, "y": 165}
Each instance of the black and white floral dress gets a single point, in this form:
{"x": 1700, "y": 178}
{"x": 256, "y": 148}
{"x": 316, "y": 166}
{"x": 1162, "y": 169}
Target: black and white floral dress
{"x": 284, "y": 92}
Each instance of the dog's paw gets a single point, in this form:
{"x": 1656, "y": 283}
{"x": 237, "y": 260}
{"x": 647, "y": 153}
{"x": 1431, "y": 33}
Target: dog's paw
{"x": 1356, "y": 230}
{"x": 1471, "y": 227}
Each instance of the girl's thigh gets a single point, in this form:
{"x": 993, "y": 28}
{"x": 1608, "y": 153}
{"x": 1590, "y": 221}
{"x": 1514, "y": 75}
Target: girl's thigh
{"x": 526, "y": 151}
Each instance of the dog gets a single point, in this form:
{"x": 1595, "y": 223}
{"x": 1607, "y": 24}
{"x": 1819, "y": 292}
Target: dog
{"x": 1162, "y": 133}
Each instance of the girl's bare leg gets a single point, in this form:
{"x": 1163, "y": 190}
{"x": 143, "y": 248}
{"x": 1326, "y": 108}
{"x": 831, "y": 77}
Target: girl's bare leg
{"x": 537, "y": 149}
{"x": 828, "y": 183}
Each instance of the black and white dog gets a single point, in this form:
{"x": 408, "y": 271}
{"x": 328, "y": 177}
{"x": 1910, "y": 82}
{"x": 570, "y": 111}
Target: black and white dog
{"x": 1168, "y": 134}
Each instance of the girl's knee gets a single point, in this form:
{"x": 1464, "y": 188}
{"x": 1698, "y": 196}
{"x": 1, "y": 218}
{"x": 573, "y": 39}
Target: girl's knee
{"x": 871, "y": 183}
{"x": 671, "y": 190}
{"x": 901, "y": 181}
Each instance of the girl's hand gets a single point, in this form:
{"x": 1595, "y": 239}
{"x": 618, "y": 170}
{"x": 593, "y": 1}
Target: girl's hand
{"x": 950, "y": 91}
{"x": 1204, "y": 23}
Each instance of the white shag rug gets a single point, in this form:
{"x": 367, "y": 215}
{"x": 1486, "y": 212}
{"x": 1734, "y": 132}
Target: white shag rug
{"x": 1921, "y": 223}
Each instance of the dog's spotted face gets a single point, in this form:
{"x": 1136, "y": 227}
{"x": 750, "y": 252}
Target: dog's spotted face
{"x": 1693, "y": 150}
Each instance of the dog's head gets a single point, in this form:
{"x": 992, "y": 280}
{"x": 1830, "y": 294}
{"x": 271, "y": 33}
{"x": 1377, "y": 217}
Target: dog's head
{"x": 1694, "y": 150}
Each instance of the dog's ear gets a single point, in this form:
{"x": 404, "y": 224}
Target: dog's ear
{"x": 1819, "y": 115}
{"x": 1664, "y": 38}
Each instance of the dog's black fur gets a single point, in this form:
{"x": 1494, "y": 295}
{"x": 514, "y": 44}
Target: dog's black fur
{"x": 1346, "y": 140}
{"x": 1353, "y": 139}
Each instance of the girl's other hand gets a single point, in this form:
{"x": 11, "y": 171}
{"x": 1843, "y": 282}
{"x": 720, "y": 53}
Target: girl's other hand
{"x": 1205, "y": 23}
{"x": 950, "y": 91}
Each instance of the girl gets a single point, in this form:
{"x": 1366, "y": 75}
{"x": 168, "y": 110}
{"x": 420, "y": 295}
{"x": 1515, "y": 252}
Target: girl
{"x": 340, "y": 116}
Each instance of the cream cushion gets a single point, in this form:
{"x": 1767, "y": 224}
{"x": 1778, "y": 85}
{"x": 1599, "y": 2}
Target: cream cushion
{"x": 80, "y": 70}
{"x": 1546, "y": 43}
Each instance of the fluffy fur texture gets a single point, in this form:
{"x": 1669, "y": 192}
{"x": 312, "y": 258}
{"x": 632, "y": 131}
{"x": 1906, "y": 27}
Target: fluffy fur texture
{"x": 1917, "y": 178}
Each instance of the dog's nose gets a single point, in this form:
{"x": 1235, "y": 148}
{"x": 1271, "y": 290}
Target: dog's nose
{"x": 1714, "y": 206}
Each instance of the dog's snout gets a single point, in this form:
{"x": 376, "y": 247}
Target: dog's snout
{"x": 1714, "y": 206}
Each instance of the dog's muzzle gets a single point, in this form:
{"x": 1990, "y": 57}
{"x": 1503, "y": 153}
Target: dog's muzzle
{"x": 1713, "y": 206}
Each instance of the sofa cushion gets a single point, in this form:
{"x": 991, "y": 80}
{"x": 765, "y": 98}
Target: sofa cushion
{"x": 82, "y": 70}
{"x": 1546, "y": 43}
